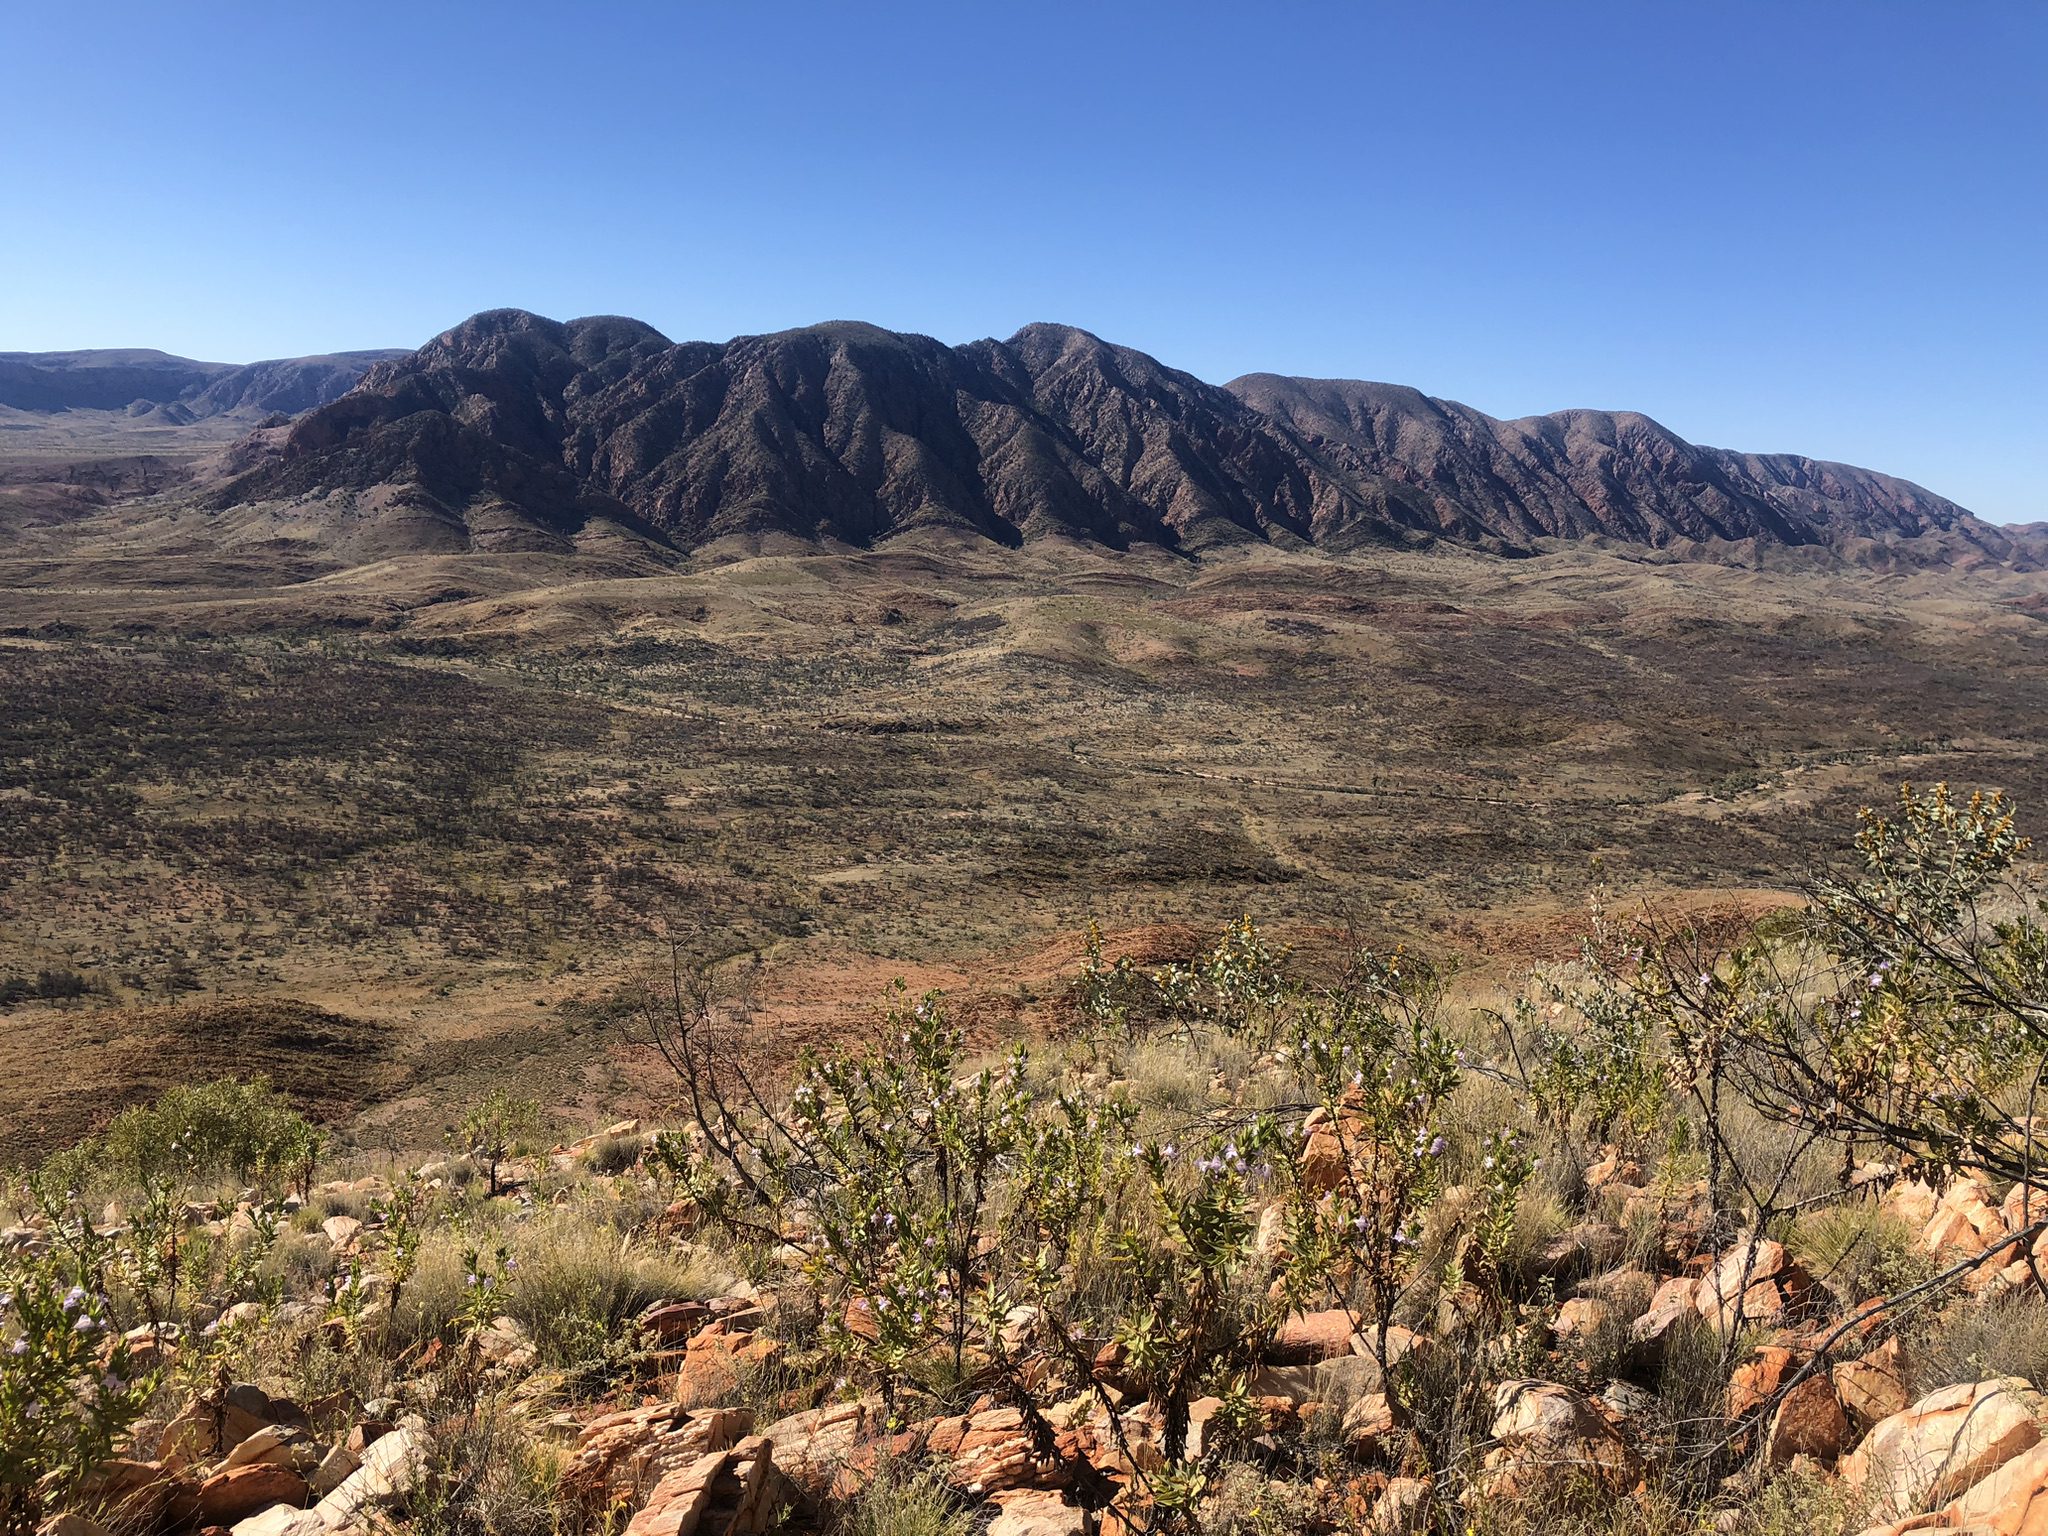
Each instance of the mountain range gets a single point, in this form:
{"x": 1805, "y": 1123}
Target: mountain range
{"x": 178, "y": 390}
{"x": 516, "y": 431}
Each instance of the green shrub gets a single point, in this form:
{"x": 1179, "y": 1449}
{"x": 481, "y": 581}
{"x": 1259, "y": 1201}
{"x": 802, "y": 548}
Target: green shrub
{"x": 225, "y": 1128}
{"x": 575, "y": 1281}
{"x": 614, "y": 1155}
{"x": 492, "y": 1130}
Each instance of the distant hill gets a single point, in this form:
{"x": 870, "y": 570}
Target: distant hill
{"x": 142, "y": 382}
{"x": 846, "y": 433}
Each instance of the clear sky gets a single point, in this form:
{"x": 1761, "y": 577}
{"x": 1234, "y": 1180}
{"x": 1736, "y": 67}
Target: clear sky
{"x": 1778, "y": 226}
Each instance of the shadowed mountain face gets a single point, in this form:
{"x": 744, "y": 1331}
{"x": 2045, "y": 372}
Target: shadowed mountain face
{"x": 849, "y": 433}
{"x": 176, "y": 388}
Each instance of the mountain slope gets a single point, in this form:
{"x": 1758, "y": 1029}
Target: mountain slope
{"x": 847, "y": 433}
{"x": 1580, "y": 473}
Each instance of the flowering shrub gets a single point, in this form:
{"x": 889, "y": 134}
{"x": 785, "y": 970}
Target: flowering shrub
{"x": 68, "y": 1389}
{"x": 1591, "y": 1055}
{"x": 1374, "y": 1061}
{"x": 896, "y": 1162}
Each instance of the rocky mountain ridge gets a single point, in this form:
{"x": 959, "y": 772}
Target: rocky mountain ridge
{"x": 845, "y": 434}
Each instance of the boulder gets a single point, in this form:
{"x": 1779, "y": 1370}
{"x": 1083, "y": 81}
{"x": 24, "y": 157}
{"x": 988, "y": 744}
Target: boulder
{"x": 714, "y": 1361}
{"x": 1675, "y": 1305}
{"x": 1035, "y": 1512}
{"x": 1965, "y": 1222}
{"x": 2011, "y": 1501}
{"x": 272, "y": 1444}
{"x": 1911, "y": 1201}
{"x": 2023, "y": 1205}
{"x": 239, "y": 1492}
{"x": 623, "y": 1455}
{"x": 1809, "y": 1422}
{"x": 1581, "y": 1320}
{"x": 278, "y": 1520}
{"x": 1306, "y": 1337}
{"x": 391, "y": 1468}
{"x": 1872, "y": 1388}
{"x": 506, "y": 1344}
{"x": 1555, "y": 1448}
{"x": 1321, "y": 1167}
{"x": 734, "y": 1492}
{"x": 1612, "y": 1168}
{"x": 671, "y": 1322}
{"x": 1756, "y": 1381}
{"x": 1759, "y": 1284}
{"x": 1402, "y": 1509}
{"x": 1579, "y": 1251}
{"x": 990, "y": 1451}
{"x": 1629, "y": 1290}
{"x": 1289, "y": 1384}
{"x": 211, "y": 1427}
{"x": 334, "y": 1469}
{"x": 1367, "y": 1423}
{"x": 127, "y": 1494}
{"x": 1944, "y": 1444}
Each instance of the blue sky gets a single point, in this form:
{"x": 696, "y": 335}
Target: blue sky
{"x": 1786, "y": 226}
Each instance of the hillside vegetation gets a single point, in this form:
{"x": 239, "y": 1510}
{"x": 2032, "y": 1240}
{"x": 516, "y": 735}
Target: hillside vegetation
{"x": 1741, "y": 1236}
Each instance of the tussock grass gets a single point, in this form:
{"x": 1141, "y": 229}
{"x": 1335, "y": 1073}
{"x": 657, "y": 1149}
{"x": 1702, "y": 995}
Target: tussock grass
{"x": 1974, "y": 1340}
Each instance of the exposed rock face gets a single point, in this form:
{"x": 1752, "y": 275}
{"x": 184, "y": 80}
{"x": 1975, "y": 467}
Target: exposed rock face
{"x": 848, "y": 433}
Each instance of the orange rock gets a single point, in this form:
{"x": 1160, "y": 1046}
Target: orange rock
{"x": 1964, "y": 1223}
{"x": 1758, "y": 1284}
{"x": 1321, "y": 1167}
{"x": 1757, "y": 1381}
{"x": 1035, "y": 1512}
{"x": 1809, "y": 1422}
{"x": 1675, "y": 1304}
{"x": 2012, "y": 1501}
{"x": 1580, "y": 1319}
{"x": 830, "y": 1450}
{"x": 239, "y": 1492}
{"x": 714, "y": 1361}
{"x": 1554, "y": 1447}
{"x": 1612, "y": 1168}
{"x": 625, "y": 1454}
{"x": 735, "y": 1492}
{"x": 1306, "y": 1337}
{"x": 1872, "y": 1388}
{"x": 1944, "y": 1444}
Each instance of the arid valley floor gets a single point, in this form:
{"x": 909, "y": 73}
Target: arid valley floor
{"x": 391, "y": 829}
